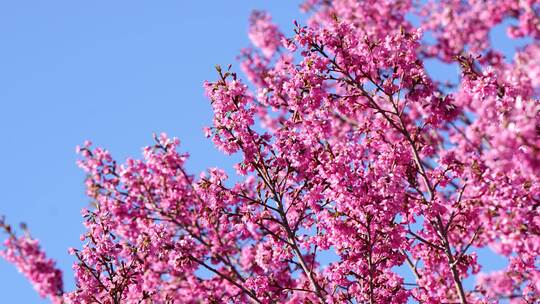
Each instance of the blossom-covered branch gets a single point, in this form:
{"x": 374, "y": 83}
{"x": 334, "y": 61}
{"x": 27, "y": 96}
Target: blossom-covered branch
{"x": 362, "y": 179}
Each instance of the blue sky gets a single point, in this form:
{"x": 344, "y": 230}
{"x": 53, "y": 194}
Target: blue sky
{"x": 113, "y": 72}
{"x": 110, "y": 71}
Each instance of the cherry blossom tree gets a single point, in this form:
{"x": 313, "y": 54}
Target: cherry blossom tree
{"x": 351, "y": 150}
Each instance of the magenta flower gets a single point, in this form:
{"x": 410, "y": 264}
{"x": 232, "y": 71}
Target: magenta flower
{"x": 362, "y": 178}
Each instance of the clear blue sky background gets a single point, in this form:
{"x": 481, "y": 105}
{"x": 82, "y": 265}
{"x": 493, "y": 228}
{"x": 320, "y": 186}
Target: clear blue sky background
{"x": 113, "y": 72}
{"x": 110, "y": 71}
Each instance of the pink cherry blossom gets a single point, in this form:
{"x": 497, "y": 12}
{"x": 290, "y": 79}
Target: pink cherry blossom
{"x": 362, "y": 178}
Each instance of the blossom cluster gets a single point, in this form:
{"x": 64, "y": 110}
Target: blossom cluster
{"x": 362, "y": 179}
{"x": 26, "y": 254}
